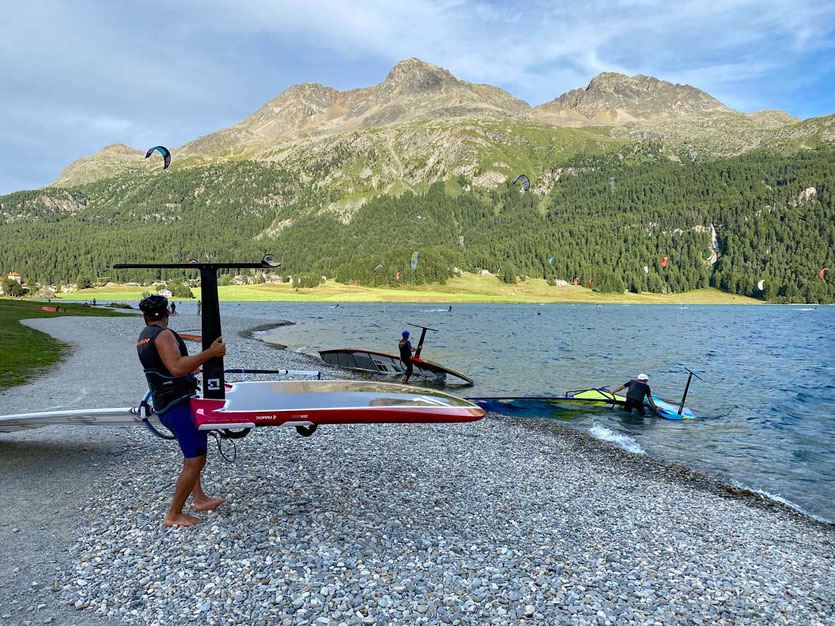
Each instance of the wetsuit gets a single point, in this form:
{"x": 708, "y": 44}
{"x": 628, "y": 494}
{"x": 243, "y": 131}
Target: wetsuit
{"x": 406, "y": 356}
{"x": 170, "y": 394}
{"x": 636, "y": 392}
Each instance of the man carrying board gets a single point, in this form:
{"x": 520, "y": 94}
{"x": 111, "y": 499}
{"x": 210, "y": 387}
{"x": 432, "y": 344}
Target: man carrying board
{"x": 170, "y": 372}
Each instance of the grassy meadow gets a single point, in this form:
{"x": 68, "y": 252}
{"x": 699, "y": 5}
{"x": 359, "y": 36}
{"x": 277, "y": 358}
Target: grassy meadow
{"x": 464, "y": 288}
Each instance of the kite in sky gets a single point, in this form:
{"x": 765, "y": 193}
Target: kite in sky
{"x": 166, "y": 155}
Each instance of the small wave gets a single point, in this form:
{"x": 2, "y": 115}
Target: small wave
{"x": 619, "y": 439}
{"x": 778, "y": 498}
{"x": 433, "y": 310}
{"x": 806, "y": 309}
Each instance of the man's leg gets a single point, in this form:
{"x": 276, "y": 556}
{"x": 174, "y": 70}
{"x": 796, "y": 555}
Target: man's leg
{"x": 202, "y": 502}
{"x": 185, "y": 485}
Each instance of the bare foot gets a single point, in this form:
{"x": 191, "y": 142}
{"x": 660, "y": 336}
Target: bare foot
{"x": 209, "y": 504}
{"x": 182, "y": 519}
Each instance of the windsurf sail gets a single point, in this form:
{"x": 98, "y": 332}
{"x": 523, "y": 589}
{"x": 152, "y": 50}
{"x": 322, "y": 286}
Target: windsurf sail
{"x": 390, "y": 364}
{"x": 590, "y": 398}
{"x": 583, "y": 397}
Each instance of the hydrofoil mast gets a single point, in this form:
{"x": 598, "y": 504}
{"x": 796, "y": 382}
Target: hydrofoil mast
{"x": 213, "y": 381}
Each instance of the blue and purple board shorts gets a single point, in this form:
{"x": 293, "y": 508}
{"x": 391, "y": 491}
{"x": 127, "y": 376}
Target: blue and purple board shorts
{"x": 192, "y": 442}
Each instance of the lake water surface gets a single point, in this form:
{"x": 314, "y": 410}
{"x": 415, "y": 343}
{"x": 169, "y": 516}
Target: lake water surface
{"x": 766, "y": 413}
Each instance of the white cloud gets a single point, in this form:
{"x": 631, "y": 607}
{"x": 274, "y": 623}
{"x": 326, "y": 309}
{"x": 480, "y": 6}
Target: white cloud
{"x": 722, "y": 44}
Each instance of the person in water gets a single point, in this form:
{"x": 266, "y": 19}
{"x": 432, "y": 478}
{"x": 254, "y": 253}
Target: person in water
{"x": 171, "y": 378}
{"x": 406, "y": 350}
{"x": 173, "y": 308}
{"x": 638, "y": 389}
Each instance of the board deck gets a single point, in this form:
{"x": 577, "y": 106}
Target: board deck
{"x": 277, "y": 403}
{"x": 390, "y": 364}
{"x": 669, "y": 410}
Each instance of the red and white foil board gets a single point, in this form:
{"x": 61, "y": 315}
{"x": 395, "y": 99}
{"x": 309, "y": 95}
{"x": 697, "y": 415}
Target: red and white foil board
{"x": 279, "y": 403}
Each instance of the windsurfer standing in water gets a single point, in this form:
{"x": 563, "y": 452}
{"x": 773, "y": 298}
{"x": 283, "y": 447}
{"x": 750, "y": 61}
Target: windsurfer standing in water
{"x": 171, "y": 378}
{"x": 406, "y": 350}
{"x": 638, "y": 389}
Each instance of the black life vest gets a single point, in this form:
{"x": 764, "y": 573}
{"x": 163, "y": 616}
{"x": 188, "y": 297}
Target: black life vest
{"x": 637, "y": 391}
{"x": 166, "y": 390}
{"x": 405, "y": 351}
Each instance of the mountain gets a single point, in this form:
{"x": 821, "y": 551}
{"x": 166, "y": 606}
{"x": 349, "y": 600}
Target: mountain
{"x": 109, "y": 161}
{"x": 422, "y": 125}
{"x": 612, "y": 99}
{"x": 413, "y": 90}
{"x": 686, "y": 121}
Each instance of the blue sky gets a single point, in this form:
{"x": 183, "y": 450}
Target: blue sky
{"x": 77, "y": 75}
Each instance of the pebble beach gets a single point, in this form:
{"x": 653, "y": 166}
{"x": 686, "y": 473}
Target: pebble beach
{"x": 502, "y": 521}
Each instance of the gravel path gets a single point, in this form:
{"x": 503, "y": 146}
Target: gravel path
{"x": 493, "y": 522}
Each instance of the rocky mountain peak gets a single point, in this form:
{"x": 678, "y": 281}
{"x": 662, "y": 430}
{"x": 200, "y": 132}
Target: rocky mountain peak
{"x": 612, "y": 98}
{"x": 117, "y": 149}
{"x": 414, "y": 75}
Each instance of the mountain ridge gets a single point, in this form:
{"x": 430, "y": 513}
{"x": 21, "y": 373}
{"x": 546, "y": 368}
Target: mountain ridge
{"x": 611, "y": 97}
{"x": 422, "y": 124}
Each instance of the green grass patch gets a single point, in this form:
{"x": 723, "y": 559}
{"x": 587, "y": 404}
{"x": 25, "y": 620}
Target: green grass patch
{"x": 27, "y": 352}
{"x": 463, "y": 288}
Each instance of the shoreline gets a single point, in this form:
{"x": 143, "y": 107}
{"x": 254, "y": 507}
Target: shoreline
{"x": 677, "y": 471}
{"x": 460, "y": 290}
{"x": 538, "y": 512}
{"x": 250, "y": 333}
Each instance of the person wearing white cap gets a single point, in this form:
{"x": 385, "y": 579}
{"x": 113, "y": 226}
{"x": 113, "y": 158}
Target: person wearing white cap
{"x": 638, "y": 389}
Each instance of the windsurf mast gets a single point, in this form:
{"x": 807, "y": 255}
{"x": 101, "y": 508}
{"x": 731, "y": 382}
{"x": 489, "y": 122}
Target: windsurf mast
{"x": 422, "y": 337}
{"x": 687, "y": 388}
{"x": 213, "y": 380}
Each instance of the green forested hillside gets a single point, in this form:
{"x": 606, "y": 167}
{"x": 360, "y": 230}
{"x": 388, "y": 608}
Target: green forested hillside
{"x": 605, "y": 219}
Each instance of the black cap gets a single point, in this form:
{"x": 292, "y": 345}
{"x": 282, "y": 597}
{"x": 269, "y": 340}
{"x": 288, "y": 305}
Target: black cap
{"x": 154, "y": 306}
